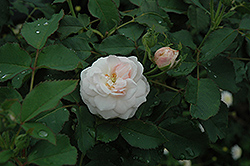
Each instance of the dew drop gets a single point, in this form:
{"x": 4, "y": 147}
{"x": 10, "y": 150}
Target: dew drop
{"x": 129, "y": 133}
{"x": 23, "y": 72}
{"x": 5, "y": 75}
{"x": 37, "y": 31}
{"x": 209, "y": 71}
{"x": 46, "y": 23}
{"x": 159, "y": 22}
{"x": 147, "y": 161}
{"x": 138, "y": 138}
{"x": 73, "y": 109}
{"x": 215, "y": 76}
{"x": 190, "y": 152}
{"x": 38, "y": 25}
{"x": 209, "y": 64}
{"x": 43, "y": 133}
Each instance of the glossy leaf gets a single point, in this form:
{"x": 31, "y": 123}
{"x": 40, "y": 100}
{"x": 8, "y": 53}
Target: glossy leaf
{"x": 184, "y": 69}
{"x": 18, "y": 80}
{"x": 103, "y": 152}
{"x": 106, "y": 11}
{"x": 217, "y": 42}
{"x": 204, "y": 97}
{"x": 79, "y": 44}
{"x": 69, "y": 25}
{"x": 221, "y": 70}
{"x": 107, "y": 132}
{"x": 58, "y": 57}
{"x": 5, "y": 155}
{"x": 187, "y": 40}
{"x": 40, "y": 131}
{"x": 9, "y": 93}
{"x": 45, "y": 96}
{"x": 55, "y": 119}
{"x": 216, "y": 127}
{"x": 85, "y": 132}
{"x": 132, "y": 31}
{"x": 175, "y": 6}
{"x": 198, "y": 18}
{"x": 45, "y": 153}
{"x": 141, "y": 134}
{"x": 13, "y": 60}
{"x": 117, "y": 44}
{"x": 36, "y": 33}
{"x": 245, "y": 23}
{"x": 181, "y": 144}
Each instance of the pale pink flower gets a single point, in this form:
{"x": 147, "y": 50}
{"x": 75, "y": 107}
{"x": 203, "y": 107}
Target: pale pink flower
{"x": 166, "y": 57}
{"x": 114, "y": 87}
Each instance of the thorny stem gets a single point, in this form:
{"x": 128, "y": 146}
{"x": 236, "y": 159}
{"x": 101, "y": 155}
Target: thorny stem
{"x": 164, "y": 85}
{"x": 34, "y": 70}
{"x": 71, "y": 8}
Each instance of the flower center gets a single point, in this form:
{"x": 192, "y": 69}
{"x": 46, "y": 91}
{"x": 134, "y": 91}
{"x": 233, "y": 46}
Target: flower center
{"x": 116, "y": 80}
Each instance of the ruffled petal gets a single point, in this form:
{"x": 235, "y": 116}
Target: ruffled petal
{"x": 105, "y": 103}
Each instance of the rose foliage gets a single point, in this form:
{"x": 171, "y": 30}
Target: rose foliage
{"x": 124, "y": 82}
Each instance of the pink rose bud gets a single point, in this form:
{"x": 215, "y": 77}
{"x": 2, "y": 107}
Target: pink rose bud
{"x": 165, "y": 58}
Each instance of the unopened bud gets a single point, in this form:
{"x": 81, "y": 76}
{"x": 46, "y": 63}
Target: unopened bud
{"x": 165, "y": 58}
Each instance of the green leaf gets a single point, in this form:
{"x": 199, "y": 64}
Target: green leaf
{"x": 40, "y": 131}
{"x": 69, "y": 25}
{"x": 150, "y": 157}
{"x": 106, "y": 11}
{"x": 45, "y": 96}
{"x": 198, "y": 18}
{"x": 152, "y": 15}
{"x": 59, "y": 1}
{"x": 36, "y": 33}
{"x": 117, "y": 44}
{"x": 197, "y": 3}
{"x": 240, "y": 70}
{"x": 84, "y": 19}
{"x": 58, "y": 57}
{"x": 184, "y": 140}
{"x": 5, "y": 12}
{"x": 132, "y": 31}
{"x": 146, "y": 108}
{"x": 5, "y": 155}
{"x": 97, "y": 163}
{"x": 175, "y": 6}
{"x": 9, "y": 93}
{"x": 85, "y": 131}
{"x": 185, "y": 38}
{"x": 18, "y": 80}
{"x": 245, "y": 23}
{"x": 137, "y": 2}
{"x": 107, "y": 132}
{"x": 221, "y": 70}
{"x": 55, "y": 119}
{"x": 45, "y": 153}
{"x": 103, "y": 152}
{"x": 141, "y": 134}
{"x": 217, "y": 42}
{"x": 216, "y": 126}
{"x": 74, "y": 97}
{"x": 184, "y": 69}
{"x": 13, "y": 60}
{"x": 204, "y": 97}
{"x": 79, "y": 44}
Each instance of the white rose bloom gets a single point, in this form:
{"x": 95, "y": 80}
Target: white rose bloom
{"x": 227, "y": 98}
{"x": 185, "y": 162}
{"x": 114, "y": 86}
{"x": 236, "y": 152}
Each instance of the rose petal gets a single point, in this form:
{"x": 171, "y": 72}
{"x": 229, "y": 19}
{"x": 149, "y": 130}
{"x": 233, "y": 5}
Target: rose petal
{"x": 130, "y": 113}
{"x": 105, "y": 103}
{"x": 110, "y": 114}
{"x": 139, "y": 68}
{"x": 122, "y": 106}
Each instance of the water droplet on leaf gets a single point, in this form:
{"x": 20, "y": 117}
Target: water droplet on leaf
{"x": 209, "y": 64}
{"x": 5, "y": 75}
{"x": 38, "y": 25}
{"x": 46, "y": 23}
{"x": 215, "y": 76}
{"x": 37, "y": 31}
{"x": 159, "y": 22}
{"x": 43, "y": 133}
